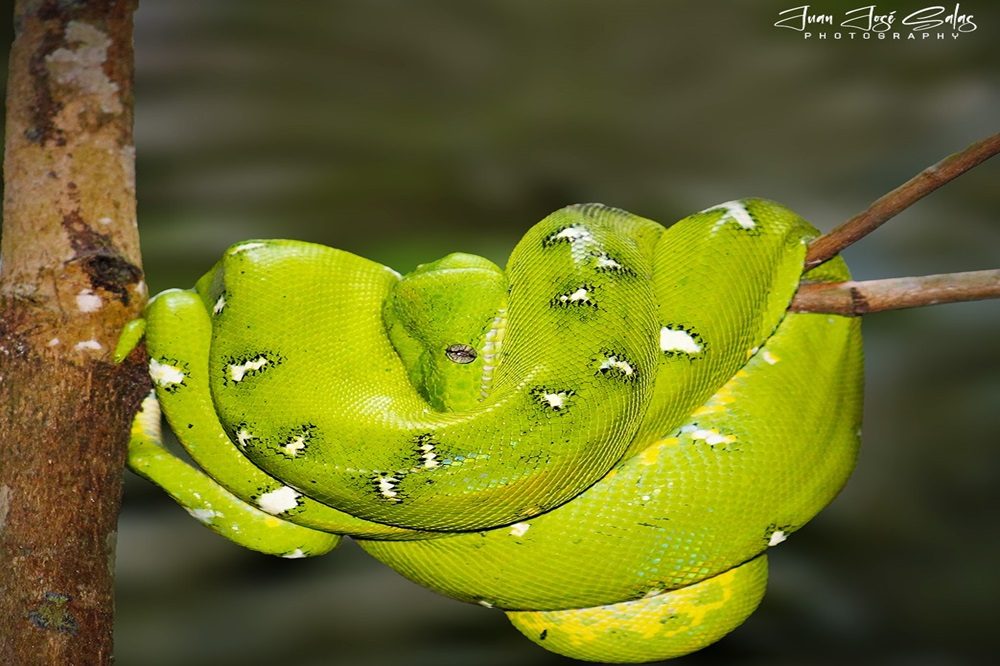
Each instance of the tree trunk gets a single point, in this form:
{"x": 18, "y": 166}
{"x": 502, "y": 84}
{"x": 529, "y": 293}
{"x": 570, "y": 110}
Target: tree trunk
{"x": 70, "y": 277}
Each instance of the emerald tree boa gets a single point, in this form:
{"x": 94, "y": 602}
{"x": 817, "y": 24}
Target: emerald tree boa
{"x": 602, "y": 439}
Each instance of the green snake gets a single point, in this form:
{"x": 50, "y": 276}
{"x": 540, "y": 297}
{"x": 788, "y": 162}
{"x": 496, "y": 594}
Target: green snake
{"x": 602, "y": 440}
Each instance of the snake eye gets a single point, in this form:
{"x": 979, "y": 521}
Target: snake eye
{"x": 460, "y": 353}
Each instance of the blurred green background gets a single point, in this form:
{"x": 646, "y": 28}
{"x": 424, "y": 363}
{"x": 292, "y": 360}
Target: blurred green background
{"x": 405, "y": 130}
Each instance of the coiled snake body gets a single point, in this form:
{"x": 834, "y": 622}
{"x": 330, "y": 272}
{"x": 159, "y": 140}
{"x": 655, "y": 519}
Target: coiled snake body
{"x": 602, "y": 439}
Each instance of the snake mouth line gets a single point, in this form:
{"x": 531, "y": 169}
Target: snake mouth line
{"x": 491, "y": 350}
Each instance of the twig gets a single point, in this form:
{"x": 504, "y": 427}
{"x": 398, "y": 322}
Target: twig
{"x": 887, "y": 206}
{"x": 860, "y": 298}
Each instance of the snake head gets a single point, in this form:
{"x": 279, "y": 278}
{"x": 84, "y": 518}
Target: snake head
{"x": 445, "y": 319}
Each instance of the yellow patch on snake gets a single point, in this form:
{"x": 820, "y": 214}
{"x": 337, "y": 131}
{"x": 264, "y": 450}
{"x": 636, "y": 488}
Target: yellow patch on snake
{"x": 651, "y": 454}
{"x": 718, "y": 402}
{"x": 694, "y": 602}
{"x": 673, "y": 621}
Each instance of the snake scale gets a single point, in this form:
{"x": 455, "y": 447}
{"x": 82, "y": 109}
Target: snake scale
{"x": 602, "y": 440}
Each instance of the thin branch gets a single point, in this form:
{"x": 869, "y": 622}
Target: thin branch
{"x": 887, "y": 206}
{"x": 859, "y": 298}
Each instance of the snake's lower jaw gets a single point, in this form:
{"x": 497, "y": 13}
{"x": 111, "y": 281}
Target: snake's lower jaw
{"x": 661, "y": 626}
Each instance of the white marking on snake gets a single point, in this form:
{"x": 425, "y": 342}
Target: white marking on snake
{"x": 237, "y": 371}
{"x": 604, "y": 261}
{"x": 769, "y": 358}
{"x": 519, "y": 529}
{"x": 613, "y": 362}
{"x": 776, "y": 537}
{"x": 678, "y": 340}
{"x": 244, "y": 247}
{"x": 387, "y": 485}
{"x": 88, "y": 301}
{"x": 580, "y": 241}
{"x": 712, "y": 437}
{"x": 204, "y": 516}
{"x": 148, "y": 418}
{"x": 164, "y": 374}
{"x": 428, "y": 456}
{"x": 243, "y": 437}
{"x": 296, "y": 554}
{"x": 555, "y": 400}
{"x": 219, "y": 304}
{"x": 278, "y": 501}
{"x": 295, "y": 446}
{"x": 574, "y": 234}
{"x": 577, "y": 296}
{"x": 716, "y": 438}
{"x": 733, "y": 211}
{"x": 485, "y": 604}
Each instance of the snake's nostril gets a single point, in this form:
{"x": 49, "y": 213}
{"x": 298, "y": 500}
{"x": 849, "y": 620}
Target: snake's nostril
{"x": 460, "y": 353}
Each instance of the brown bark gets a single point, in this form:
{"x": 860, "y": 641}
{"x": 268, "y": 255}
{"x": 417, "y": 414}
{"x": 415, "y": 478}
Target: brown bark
{"x": 860, "y": 298}
{"x": 70, "y": 279}
{"x": 891, "y": 204}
